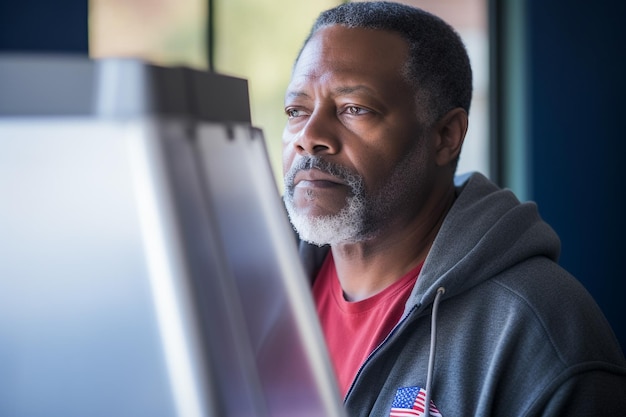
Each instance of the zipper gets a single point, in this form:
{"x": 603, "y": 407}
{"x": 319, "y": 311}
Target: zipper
{"x": 391, "y": 333}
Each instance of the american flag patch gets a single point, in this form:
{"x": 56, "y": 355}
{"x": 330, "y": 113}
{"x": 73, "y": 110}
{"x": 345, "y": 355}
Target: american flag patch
{"x": 410, "y": 401}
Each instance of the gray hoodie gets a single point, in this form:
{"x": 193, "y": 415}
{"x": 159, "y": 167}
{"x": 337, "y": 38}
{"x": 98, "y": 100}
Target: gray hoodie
{"x": 513, "y": 334}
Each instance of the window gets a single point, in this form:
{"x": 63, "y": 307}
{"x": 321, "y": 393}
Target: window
{"x": 258, "y": 40}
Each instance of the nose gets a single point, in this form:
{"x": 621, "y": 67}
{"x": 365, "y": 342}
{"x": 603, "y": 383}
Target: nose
{"x": 319, "y": 135}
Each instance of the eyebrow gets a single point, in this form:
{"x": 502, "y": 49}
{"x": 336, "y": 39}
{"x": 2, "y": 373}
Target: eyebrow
{"x": 339, "y": 91}
{"x": 295, "y": 94}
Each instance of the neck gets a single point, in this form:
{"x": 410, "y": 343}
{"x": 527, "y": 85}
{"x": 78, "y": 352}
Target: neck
{"x": 366, "y": 268}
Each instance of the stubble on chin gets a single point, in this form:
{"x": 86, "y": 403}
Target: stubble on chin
{"x": 342, "y": 227}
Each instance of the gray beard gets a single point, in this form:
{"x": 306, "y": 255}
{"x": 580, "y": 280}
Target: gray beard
{"x": 347, "y": 226}
{"x": 343, "y": 227}
{"x": 363, "y": 216}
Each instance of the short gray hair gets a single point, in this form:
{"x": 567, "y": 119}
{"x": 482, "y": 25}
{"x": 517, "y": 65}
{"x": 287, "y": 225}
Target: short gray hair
{"x": 438, "y": 65}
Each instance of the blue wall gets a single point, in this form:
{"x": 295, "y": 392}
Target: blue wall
{"x": 44, "y": 26}
{"x": 576, "y": 109}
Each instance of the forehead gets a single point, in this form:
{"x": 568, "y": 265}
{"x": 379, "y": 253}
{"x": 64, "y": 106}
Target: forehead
{"x": 356, "y": 52}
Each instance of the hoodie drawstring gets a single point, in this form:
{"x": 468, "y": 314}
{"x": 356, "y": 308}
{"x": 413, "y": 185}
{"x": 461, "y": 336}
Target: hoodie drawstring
{"x": 433, "y": 346}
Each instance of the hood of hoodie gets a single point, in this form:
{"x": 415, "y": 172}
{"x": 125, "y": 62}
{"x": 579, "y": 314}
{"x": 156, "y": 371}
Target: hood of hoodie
{"x": 486, "y": 231}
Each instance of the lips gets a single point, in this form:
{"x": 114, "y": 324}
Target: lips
{"x": 316, "y": 178}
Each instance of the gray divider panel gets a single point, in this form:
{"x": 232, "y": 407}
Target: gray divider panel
{"x": 147, "y": 267}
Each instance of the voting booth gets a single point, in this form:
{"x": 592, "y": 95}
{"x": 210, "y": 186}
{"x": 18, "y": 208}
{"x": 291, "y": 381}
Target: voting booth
{"x": 147, "y": 266}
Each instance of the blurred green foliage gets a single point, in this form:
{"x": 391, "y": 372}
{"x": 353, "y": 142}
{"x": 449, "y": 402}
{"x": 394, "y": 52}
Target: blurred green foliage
{"x": 253, "y": 39}
{"x": 259, "y": 40}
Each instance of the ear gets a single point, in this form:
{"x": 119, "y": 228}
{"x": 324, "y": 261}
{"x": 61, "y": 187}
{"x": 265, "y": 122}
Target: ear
{"x": 450, "y": 130}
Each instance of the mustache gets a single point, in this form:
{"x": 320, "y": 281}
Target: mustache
{"x": 354, "y": 180}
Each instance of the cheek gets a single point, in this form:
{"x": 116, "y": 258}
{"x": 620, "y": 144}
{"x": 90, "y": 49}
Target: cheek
{"x": 287, "y": 160}
{"x": 375, "y": 163}
{"x": 390, "y": 164}
{"x": 288, "y": 153}
{"x": 375, "y": 172}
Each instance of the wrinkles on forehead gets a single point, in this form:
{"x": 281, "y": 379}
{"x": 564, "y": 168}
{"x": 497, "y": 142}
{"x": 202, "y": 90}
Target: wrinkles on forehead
{"x": 339, "y": 91}
{"x": 351, "y": 62}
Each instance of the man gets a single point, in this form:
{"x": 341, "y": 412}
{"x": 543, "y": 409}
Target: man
{"x": 428, "y": 291}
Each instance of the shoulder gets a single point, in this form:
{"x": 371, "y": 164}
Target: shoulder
{"x": 530, "y": 338}
{"x": 561, "y": 311}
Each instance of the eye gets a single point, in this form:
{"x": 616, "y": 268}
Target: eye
{"x": 355, "y": 110}
{"x": 293, "y": 112}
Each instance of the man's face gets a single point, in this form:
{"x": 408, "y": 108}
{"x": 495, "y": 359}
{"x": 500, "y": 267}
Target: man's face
{"x": 354, "y": 153}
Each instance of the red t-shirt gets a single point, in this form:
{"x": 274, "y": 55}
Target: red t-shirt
{"x": 354, "y": 329}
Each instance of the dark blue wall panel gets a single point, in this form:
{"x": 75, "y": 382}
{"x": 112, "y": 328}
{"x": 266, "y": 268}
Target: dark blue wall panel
{"x": 44, "y": 26}
{"x": 577, "y": 78}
